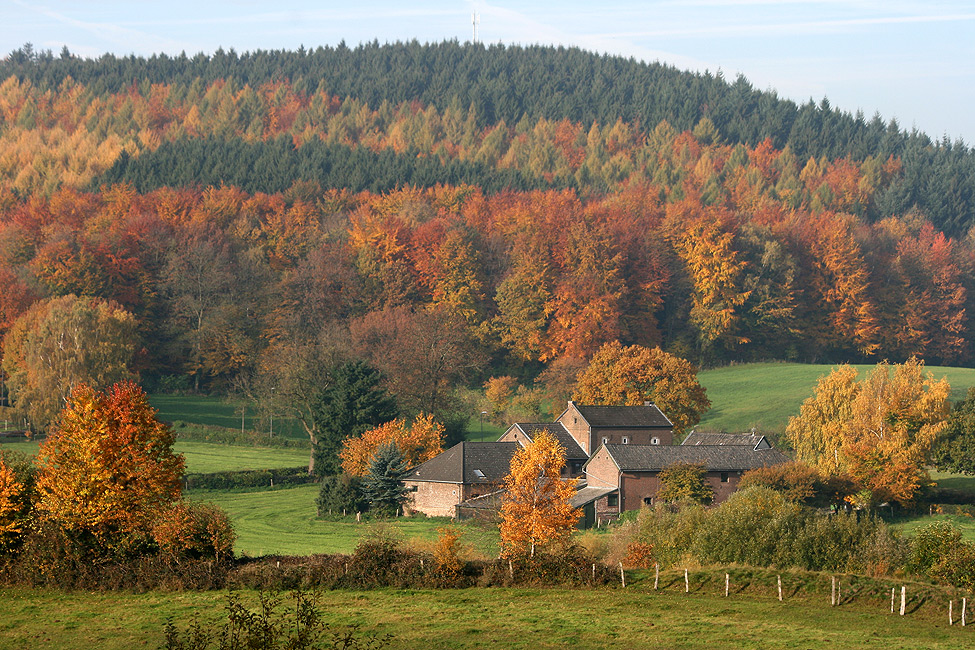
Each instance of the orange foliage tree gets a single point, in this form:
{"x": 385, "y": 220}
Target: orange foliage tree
{"x": 536, "y": 509}
{"x": 108, "y": 470}
{"x": 418, "y": 443}
{"x": 632, "y": 375}
{"x": 12, "y": 515}
{"x": 879, "y": 430}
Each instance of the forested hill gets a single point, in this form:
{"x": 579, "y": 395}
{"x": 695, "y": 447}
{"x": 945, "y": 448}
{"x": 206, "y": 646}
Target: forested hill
{"x": 517, "y": 88}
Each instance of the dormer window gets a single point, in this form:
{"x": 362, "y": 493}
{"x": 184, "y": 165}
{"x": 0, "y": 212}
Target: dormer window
{"x": 626, "y": 440}
{"x": 479, "y": 474}
{"x": 655, "y": 441}
{"x": 605, "y": 441}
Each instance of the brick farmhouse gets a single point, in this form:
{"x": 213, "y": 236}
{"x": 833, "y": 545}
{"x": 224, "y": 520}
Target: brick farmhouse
{"x": 616, "y": 453}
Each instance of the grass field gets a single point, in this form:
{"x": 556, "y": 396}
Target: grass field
{"x": 636, "y": 618}
{"x": 284, "y": 522}
{"x": 765, "y": 395}
{"x": 204, "y": 457}
{"x": 909, "y": 526}
{"x": 220, "y": 412}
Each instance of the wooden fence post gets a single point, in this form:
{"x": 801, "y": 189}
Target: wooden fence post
{"x": 903, "y": 600}
{"x": 594, "y": 573}
{"x": 951, "y": 618}
{"x": 727, "y": 584}
{"x": 687, "y": 583}
{"x": 780, "y": 588}
{"x": 891, "y": 600}
{"x": 832, "y": 593}
{"x": 964, "y": 606}
{"x": 622, "y": 575}
{"x": 511, "y": 569}
{"x": 656, "y": 577}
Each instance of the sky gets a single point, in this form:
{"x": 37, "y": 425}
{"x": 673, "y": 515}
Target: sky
{"x": 910, "y": 60}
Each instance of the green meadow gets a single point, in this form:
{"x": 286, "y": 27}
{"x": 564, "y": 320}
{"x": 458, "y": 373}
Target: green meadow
{"x": 634, "y": 618}
{"x": 766, "y": 395}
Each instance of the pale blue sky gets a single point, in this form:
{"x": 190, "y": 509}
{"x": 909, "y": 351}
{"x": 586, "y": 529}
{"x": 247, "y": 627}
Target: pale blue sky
{"x": 908, "y": 59}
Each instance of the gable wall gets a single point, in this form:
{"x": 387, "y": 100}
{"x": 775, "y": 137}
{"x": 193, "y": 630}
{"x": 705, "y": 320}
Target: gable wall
{"x": 601, "y": 471}
{"x": 440, "y": 499}
{"x": 578, "y": 428}
{"x": 636, "y": 486}
{"x": 635, "y": 436}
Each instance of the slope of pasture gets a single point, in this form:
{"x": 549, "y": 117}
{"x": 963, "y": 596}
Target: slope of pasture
{"x": 220, "y": 412}
{"x": 206, "y": 457}
{"x": 284, "y": 522}
{"x": 634, "y": 618}
{"x": 765, "y": 395}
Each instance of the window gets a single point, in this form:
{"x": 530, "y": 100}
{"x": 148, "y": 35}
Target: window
{"x": 724, "y": 477}
{"x": 648, "y": 501}
{"x": 613, "y": 500}
{"x": 654, "y": 441}
{"x": 626, "y": 440}
{"x": 479, "y": 474}
{"x": 605, "y": 441}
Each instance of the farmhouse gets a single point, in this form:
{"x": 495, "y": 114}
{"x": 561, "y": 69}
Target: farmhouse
{"x": 632, "y": 471}
{"x": 465, "y": 471}
{"x": 616, "y": 452}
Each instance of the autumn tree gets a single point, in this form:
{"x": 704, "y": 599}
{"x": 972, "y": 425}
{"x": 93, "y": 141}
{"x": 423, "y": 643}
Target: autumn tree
{"x": 685, "y": 481}
{"x": 632, "y": 375}
{"x": 879, "y": 431}
{"x": 108, "y": 469}
{"x": 417, "y": 443}
{"x": 15, "y": 501}
{"x": 64, "y": 342}
{"x": 536, "y": 509}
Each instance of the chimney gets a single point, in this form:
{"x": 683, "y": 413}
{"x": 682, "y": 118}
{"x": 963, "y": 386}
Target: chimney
{"x": 648, "y": 403}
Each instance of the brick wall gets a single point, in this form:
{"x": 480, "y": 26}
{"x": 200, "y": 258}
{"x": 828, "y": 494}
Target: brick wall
{"x": 573, "y": 421}
{"x": 440, "y": 499}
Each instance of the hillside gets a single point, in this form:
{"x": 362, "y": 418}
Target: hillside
{"x": 452, "y": 213}
{"x": 765, "y": 395}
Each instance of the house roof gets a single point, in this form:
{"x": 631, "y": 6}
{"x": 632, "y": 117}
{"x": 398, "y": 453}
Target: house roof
{"x": 469, "y": 463}
{"x": 752, "y": 440}
{"x": 623, "y": 417}
{"x": 716, "y": 458}
{"x": 572, "y": 449}
{"x": 589, "y": 494}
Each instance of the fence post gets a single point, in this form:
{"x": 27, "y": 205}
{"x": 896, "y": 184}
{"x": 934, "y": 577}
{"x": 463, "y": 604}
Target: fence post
{"x": 891, "y": 600}
{"x": 832, "y": 593}
{"x": 964, "y": 606}
{"x": 622, "y": 575}
{"x": 656, "y": 577}
{"x": 951, "y": 606}
{"x": 780, "y": 588}
{"x": 727, "y": 584}
{"x": 903, "y": 600}
{"x": 687, "y": 583}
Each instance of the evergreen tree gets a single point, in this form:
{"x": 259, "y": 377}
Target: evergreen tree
{"x": 383, "y": 485}
{"x": 354, "y": 403}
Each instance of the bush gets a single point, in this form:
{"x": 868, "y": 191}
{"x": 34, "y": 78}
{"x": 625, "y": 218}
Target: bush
{"x": 269, "y": 629}
{"x": 194, "y": 530}
{"x": 800, "y": 483}
{"x": 235, "y": 480}
{"x": 930, "y": 544}
{"x": 340, "y": 495}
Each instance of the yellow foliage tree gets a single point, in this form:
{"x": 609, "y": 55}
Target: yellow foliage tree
{"x": 417, "y": 443}
{"x": 108, "y": 470}
{"x": 879, "y": 430}
{"x": 630, "y": 376}
{"x": 11, "y": 507}
{"x": 536, "y": 509}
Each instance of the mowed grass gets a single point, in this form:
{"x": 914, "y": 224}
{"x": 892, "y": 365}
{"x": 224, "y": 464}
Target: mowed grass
{"x": 910, "y": 525}
{"x": 285, "y": 522}
{"x": 220, "y": 412}
{"x": 765, "y": 395}
{"x": 636, "y": 618}
{"x": 206, "y": 457}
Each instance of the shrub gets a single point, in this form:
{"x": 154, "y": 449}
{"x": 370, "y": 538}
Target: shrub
{"x": 800, "y": 483}
{"x": 269, "y": 629}
{"x": 930, "y": 544}
{"x": 194, "y": 530}
{"x": 685, "y": 481}
{"x": 340, "y": 494}
{"x": 243, "y": 479}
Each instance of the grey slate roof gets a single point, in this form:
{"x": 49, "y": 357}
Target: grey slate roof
{"x": 716, "y": 458}
{"x": 469, "y": 463}
{"x": 622, "y": 417}
{"x": 572, "y": 449}
{"x": 752, "y": 440}
{"x": 588, "y": 494}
